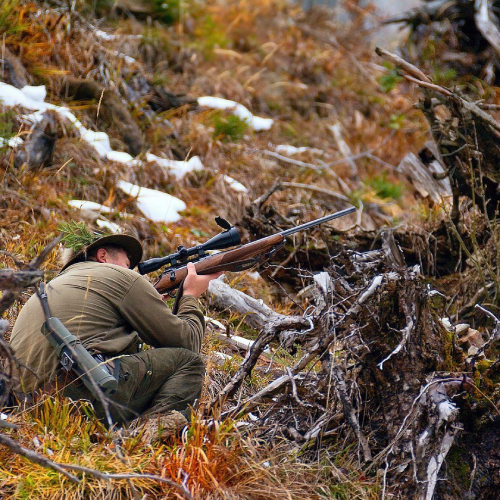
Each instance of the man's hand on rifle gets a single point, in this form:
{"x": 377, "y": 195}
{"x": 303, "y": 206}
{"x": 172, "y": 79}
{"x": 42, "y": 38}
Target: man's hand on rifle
{"x": 196, "y": 284}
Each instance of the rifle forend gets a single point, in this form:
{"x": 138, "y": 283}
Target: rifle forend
{"x": 241, "y": 258}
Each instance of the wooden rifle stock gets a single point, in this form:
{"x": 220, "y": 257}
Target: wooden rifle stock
{"x": 238, "y": 259}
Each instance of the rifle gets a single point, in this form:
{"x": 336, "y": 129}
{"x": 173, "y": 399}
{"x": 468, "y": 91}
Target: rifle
{"x": 238, "y": 259}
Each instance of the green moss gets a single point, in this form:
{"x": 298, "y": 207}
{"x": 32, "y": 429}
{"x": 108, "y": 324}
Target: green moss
{"x": 385, "y": 188}
{"x": 209, "y": 35}
{"x": 167, "y": 11}
{"x": 389, "y": 81}
{"x": 7, "y": 124}
{"x": 458, "y": 469}
{"x": 228, "y": 128}
{"x": 10, "y": 20}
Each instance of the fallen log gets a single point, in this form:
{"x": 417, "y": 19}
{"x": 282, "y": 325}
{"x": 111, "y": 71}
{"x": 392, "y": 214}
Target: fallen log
{"x": 110, "y": 109}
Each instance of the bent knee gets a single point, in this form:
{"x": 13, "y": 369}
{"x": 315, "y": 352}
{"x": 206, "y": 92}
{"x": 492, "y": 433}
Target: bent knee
{"x": 182, "y": 355}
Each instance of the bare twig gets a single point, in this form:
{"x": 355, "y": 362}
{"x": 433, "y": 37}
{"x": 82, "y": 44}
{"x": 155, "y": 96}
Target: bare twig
{"x": 405, "y": 65}
{"x": 35, "y": 457}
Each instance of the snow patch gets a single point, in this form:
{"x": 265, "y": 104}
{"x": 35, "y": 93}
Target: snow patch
{"x": 110, "y": 226}
{"x": 256, "y": 122}
{"x": 235, "y": 185}
{"x": 155, "y": 205}
{"x": 292, "y": 150}
{"x": 33, "y": 98}
{"x": 89, "y": 205}
{"x": 13, "y": 142}
{"x": 104, "y": 36}
{"x": 177, "y": 168}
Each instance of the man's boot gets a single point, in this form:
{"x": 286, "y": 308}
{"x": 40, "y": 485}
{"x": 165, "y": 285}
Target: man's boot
{"x": 159, "y": 427}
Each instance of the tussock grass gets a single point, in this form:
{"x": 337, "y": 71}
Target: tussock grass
{"x": 258, "y": 53}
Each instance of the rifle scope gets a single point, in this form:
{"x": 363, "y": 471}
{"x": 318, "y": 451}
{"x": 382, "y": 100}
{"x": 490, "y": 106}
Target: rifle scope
{"x": 226, "y": 239}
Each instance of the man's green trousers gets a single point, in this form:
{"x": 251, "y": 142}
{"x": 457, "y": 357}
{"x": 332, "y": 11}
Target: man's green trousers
{"x": 151, "y": 382}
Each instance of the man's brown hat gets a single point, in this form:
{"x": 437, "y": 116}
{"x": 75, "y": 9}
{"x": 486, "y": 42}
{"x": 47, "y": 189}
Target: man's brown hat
{"x": 80, "y": 242}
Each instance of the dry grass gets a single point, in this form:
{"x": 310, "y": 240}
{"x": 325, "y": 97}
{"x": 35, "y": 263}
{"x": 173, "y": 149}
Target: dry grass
{"x": 261, "y": 54}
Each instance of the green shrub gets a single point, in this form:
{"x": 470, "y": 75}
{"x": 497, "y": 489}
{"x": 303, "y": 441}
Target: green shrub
{"x": 388, "y": 81}
{"x": 7, "y": 125}
{"x": 229, "y": 128}
{"x": 167, "y": 11}
{"x": 385, "y": 188}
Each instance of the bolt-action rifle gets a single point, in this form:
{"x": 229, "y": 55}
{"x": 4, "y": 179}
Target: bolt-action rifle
{"x": 238, "y": 259}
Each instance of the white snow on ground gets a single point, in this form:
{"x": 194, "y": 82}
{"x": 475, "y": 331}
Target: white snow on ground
{"x": 104, "y": 36}
{"x": 33, "y": 98}
{"x": 111, "y": 226}
{"x": 177, "y": 168}
{"x": 235, "y": 185}
{"x": 13, "y": 142}
{"x": 94, "y": 207}
{"x": 155, "y": 205}
{"x": 89, "y": 205}
{"x": 158, "y": 206}
{"x": 292, "y": 150}
{"x": 256, "y": 122}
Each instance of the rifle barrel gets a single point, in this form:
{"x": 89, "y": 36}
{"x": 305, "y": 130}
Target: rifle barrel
{"x": 317, "y": 222}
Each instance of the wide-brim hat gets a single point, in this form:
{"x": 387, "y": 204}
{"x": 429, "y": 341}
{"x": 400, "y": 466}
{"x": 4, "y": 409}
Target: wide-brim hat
{"x": 130, "y": 244}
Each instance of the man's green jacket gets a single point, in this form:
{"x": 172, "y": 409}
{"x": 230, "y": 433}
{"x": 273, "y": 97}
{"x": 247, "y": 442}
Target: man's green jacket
{"x": 111, "y": 309}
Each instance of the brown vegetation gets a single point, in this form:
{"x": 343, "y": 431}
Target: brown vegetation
{"x": 379, "y": 387}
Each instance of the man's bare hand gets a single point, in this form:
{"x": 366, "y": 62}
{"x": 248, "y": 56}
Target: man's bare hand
{"x": 196, "y": 284}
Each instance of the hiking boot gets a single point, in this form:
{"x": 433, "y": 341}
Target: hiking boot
{"x": 156, "y": 429}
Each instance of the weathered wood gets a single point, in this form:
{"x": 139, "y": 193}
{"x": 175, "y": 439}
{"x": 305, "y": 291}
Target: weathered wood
{"x": 109, "y": 108}
{"x": 38, "y": 149}
{"x": 257, "y": 314}
{"x": 344, "y": 149}
{"x": 422, "y": 178}
{"x": 405, "y": 65}
{"x": 487, "y": 23}
{"x": 19, "y": 279}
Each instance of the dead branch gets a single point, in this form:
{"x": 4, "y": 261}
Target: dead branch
{"x": 256, "y": 314}
{"x": 486, "y": 23}
{"x": 58, "y": 467}
{"x": 405, "y": 65}
{"x": 268, "y": 334}
{"x": 495, "y": 335}
{"x": 35, "y": 457}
